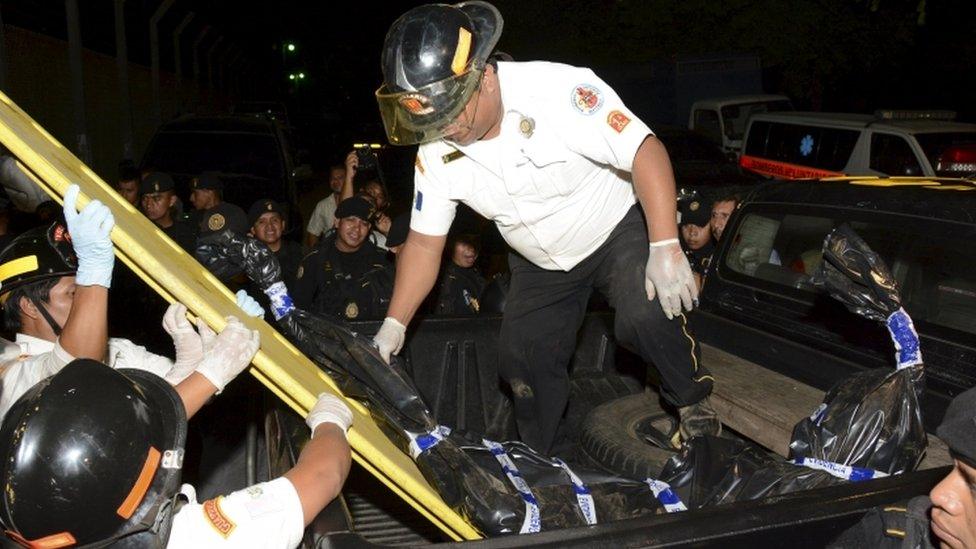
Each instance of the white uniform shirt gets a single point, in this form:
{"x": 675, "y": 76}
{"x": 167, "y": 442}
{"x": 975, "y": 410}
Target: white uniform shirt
{"x": 266, "y": 515}
{"x": 556, "y": 180}
{"x": 323, "y": 216}
{"x": 29, "y": 360}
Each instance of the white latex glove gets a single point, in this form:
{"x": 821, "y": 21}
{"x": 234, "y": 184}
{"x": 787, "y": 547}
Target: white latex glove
{"x": 389, "y": 340}
{"x": 186, "y": 340}
{"x": 89, "y": 232}
{"x": 229, "y": 353}
{"x": 329, "y": 409}
{"x": 249, "y": 305}
{"x": 668, "y": 276}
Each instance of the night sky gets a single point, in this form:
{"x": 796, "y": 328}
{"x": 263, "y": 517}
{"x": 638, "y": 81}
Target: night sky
{"x": 832, "y": 55}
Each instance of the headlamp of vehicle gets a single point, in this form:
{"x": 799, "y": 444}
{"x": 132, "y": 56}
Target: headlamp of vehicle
{"x": 422, "y": 115}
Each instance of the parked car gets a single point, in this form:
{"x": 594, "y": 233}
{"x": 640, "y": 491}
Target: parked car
{"x": 723, "y": 120}
{"x": 250, "y": 153}
{"x": 795, "y": 145}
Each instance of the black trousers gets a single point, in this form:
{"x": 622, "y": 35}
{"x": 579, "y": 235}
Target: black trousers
{"x": 544, "y": 311}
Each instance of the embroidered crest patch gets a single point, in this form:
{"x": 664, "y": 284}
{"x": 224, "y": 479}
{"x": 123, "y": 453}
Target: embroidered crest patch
{"x": 587, "y": 99}
{"x": 618, "y": 121}
{"x": 216, "y": 517}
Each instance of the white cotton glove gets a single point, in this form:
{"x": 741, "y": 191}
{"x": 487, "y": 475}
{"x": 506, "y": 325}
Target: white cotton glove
{"x": 249, "y": 305}
{"x": 229, "y": 353}
{"x": 90, "y": 238}
{"x": 668, "y": 276}
{"x": 389, "y": 340}
{"x": 329, "y": 409}
{"x": 186, "y": 341}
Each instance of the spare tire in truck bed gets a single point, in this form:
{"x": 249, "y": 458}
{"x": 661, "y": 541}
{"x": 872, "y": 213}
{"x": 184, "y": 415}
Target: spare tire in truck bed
{"x": 613, "y": 436}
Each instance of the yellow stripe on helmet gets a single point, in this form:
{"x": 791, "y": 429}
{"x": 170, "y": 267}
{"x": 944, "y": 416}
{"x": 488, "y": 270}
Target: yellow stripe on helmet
{"x": 17, "y": 266}
{"x": 462, "y": 51}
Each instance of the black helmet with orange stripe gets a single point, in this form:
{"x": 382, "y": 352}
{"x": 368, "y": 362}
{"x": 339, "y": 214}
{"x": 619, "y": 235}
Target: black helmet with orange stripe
{"x": 92, "y": 455}
{"x": 433, "y": 59}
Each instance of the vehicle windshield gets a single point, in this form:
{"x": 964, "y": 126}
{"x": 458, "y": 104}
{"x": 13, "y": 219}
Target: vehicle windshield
{"x": 735, "y": 117}
{"x": 690, "y": 147}
{"x": 230, "y": 153}
{"x": 934, "y": 144}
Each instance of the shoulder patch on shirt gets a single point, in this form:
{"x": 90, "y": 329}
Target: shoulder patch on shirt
{"x": 618, "y": 121}
{"x": 452, "y": 156}
{"x": 216, "y": 517}
{"x": 587, "y": 98}
{"x": 418, "y": 201}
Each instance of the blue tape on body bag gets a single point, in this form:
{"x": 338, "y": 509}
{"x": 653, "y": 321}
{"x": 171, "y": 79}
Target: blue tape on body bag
{"x": 663, "y": 492}
{"x": 533, "y": 518}
{"x": 839, "y": 470}
{"x": 421, "y": 442}
{"x": 817, "y": 416}
{"x": 281, "y": 303}
{"x": 583, "y": 497}
{"x": 905, "y": 338}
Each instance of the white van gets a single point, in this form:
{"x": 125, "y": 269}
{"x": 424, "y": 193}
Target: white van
{"x": 797, "y": 145}
{"x": 723, "y": 120}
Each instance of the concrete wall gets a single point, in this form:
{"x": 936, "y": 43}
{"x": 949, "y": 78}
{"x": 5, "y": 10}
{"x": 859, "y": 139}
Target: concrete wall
{"x": 38, "y": 80}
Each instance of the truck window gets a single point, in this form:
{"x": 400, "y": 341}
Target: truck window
{"x": 706, "y": 123}
{"x": 892, "y": 155}
{"x": 800, "y": 144}
{"x": 930, "y": 260}
{"x": 736, "y": 116}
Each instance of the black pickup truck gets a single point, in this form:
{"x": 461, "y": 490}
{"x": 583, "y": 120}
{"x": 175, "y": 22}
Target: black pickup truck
{"x": 773, "y": 342}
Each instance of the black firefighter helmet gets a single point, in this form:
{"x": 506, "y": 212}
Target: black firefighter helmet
{"x": 91, "y": 455}
{"x": 433, "y": 59}
{"x": 38, "y": 254}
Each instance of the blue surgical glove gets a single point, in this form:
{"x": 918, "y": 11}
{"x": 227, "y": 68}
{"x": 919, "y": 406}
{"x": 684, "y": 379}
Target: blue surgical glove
{"x": 90, "y": 231}
{"x": 249, "y": 305}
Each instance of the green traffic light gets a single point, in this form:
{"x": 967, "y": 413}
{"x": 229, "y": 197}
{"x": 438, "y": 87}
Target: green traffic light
{"x": 291, "y": 76}
{"x": 290, "y": 46}
{"x": 301, "y": 75}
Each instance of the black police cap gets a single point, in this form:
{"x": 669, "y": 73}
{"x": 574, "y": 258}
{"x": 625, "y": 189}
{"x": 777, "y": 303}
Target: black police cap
{"x": 355, "y": 206}
{"x": 263, "y": 206}
{"x": 156, "y": 182}
{"x": 206, "y": 181}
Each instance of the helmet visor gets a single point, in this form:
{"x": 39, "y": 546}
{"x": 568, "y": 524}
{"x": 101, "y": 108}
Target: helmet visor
{"x": 423, "y": 115}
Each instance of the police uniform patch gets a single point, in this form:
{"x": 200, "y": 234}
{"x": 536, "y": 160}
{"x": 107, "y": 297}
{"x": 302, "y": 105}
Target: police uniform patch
{"x": 216, "y": 222}
{"x": 618, "y": 121}
{"x": 216, "y": 517}
{"x": 352, "y": 310}
{"x": 694, "y": 206}
{"x": 418, "y": 202}
{"x": 587, "y": 99}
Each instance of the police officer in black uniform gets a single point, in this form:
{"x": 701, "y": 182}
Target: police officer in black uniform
{"x": 346, "y": 275}
{"x": 696, "y": 235}
{"x": 211, "y": 213}
{"x": 267, "y": 221}
{"x": 158, "y": 202}
{"x": 461, "y": 283}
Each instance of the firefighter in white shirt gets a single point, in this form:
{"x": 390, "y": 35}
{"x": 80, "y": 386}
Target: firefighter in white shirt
{"x": 553, "y": 156}
{"x": 92, "y": 456}
{"x": 54, "y": 289}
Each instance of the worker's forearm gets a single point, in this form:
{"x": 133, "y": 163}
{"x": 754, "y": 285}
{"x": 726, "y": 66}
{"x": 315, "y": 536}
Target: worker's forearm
{"x": 654, "y": 185}
{"x": 347, "y": 188}
{"x": 195, "y": 391}
{"x": 311, "y": 240}
{"x": 417, "y": 267}
{"x": 321, "y": 469}
{"x": 85, "y": 334}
